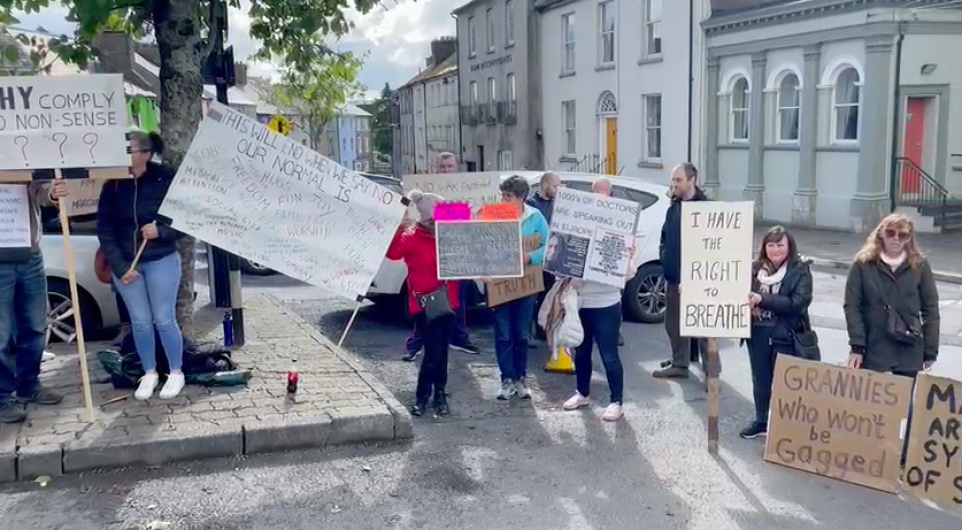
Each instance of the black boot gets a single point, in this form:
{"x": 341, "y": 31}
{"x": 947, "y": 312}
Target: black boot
{"x": 441, "y": 403}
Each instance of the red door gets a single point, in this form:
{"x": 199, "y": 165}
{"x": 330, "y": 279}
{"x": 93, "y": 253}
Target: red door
{"x": 912, "y": 148}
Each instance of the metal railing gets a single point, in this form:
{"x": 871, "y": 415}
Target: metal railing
{"x": 917, "y": 189}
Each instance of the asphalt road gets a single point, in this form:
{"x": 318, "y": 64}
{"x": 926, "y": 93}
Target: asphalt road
{"x": 493, "y": 465}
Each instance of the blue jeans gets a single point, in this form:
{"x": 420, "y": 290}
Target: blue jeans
{"x": 602, "y": 326}
{"x": 151, "y": 301}
{"x": 459, "y": 333}
{"x": 23, "y": 325}
{"x": 512, "y": 331}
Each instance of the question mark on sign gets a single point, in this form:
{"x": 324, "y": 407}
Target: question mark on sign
{"x": 63, "y": 140}
{"x": 92, "y": 139}
{"x": 22, "y": 141}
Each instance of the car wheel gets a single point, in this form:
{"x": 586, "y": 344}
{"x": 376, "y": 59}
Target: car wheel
{"x": 60, "y": 313}
{"x": 646, "y": 295}
{"x": 255, "y": 269}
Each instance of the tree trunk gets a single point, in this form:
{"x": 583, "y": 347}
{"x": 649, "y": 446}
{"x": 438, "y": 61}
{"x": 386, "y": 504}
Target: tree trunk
{"x": 178, "y": 32}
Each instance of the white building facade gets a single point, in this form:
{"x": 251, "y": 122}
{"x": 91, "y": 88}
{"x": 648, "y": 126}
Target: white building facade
{"x": 621, "y": 85}
{"x": 832, "y": 113}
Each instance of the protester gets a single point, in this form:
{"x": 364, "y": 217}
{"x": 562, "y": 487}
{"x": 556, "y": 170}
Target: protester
{"x": 23, "y": 314}
{"x": 415, "y": 245}
{"x": 126, "y": 219}
{"x": 602, "y": 186}
{"x": 447, "y": 163}
{"x": 892, "y": 303}
{"x": 600, "y": 316}
{"x": 684, "y": 187}
{"x": 512, "y": 320}
{"x": 781, "y": 294}
{"x": 543, "y": 200}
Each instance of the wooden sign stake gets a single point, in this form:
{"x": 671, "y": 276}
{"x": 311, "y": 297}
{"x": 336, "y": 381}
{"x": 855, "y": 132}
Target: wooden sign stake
{"x": 140, "y": 251}
{"x": 712, "y": 371}
{"x": 349, "y": 324}
{"x": 75, "y": 300}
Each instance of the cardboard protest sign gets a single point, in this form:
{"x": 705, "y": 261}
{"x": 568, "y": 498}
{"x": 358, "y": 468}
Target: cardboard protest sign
{"x": 499, "y": 210}
{"x": 591, "y": 237}
{"x": 479, "y": 249}
{"x": 716, "y": 263}
{"x": 83, "y": 196}
{"x": 63, "y": 122}
{"x": 933, "y": 465}
{"x": 452, "y": 211}
{"x": 510, "y": 289}
{"x": 474, "y": 188}
{"x": 258, "y": 194}
{"x": 15, "y": 219}
{"x": 838, "y": 422}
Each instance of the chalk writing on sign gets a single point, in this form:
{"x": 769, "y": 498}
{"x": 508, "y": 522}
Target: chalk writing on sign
{"x": 479, "y": 249}
{"x": 14, "y": 216}
{"x": 510, "y": 289}
{"x": 716, "y": 262}
{"x": 933, "y": 464}
{"x": 63, "y": 122}
{"x": 837, "y": 422}
{"x": 258, "y": 194}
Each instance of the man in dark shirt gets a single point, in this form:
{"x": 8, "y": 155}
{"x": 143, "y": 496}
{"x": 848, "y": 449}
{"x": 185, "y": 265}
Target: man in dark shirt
{"x": 543, "y": 200}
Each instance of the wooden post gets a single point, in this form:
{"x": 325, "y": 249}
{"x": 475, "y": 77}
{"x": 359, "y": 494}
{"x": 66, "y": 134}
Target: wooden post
{"x": 140, "y": 252}
{"x": 349, "y": 324}
{"x": 75, "y": 301}
{"x": 712, "y": 363}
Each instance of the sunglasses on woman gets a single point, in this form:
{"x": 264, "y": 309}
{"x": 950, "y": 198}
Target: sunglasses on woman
{"x": 901, "y": 235}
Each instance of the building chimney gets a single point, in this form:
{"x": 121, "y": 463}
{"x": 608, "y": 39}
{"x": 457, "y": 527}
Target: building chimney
{"x": 116, "y": 52}
{"x": 443, "y": 48}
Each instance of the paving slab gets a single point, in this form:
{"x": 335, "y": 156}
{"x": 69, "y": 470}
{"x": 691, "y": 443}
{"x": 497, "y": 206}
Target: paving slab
{"x": 338, "y": 402}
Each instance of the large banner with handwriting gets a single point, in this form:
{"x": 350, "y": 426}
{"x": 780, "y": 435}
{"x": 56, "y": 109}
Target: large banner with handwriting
{"x": 476, "y": 189}
{"x": 259, "y": 194}
{"x": 933, "y": 464}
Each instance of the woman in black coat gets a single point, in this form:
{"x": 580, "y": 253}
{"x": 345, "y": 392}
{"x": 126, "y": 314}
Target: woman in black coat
{"x": 781, "y": 294}
{"x": 890, "y": 271}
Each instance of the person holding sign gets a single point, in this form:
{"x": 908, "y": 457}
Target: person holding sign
{"x": 892, "y": 303}
{"x": 512, "y": 320}
{"x": 434, "y": 319}
{"x": 148, "y": 285}
{"x": 781, "y": 294}
{"x": 23, "y": 301}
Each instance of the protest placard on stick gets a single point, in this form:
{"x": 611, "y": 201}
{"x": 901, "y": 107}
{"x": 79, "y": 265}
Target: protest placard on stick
{"x": 933, "y": 464}
{"x": 479, "y": 249}
{"x": 838, "y": 422}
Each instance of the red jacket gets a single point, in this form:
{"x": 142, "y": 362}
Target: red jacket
{"x": 416, "y": 247}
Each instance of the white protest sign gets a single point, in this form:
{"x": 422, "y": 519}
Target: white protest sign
{"x": 716, "y": 268}
{"x": 474, "y": 188}
{"x": 49, "y": 122}
{"x": 14, "y": 216}
{"x": 83, "y": 196}
{"x": 258, "y": 194}
{"x": 591, "y": 237}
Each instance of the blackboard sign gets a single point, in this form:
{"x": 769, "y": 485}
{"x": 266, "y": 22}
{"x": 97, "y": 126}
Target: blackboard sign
{"x": 479, "y": 249}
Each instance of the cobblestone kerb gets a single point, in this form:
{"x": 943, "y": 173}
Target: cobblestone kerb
{"x": 338, "y": 402}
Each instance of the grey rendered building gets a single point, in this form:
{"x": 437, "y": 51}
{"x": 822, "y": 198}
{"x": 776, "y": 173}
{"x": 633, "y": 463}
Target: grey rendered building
{"x": 499, "y": 84}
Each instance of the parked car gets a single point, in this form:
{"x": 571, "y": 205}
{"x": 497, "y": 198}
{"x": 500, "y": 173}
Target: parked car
{"x": 644, "y": 296}
{"x": 98, "y": 305}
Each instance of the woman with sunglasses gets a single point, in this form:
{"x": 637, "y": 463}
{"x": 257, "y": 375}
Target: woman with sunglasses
{"x": 892, "y": 303}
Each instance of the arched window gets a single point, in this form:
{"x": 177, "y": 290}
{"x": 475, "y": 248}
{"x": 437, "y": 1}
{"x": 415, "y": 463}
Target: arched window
{"x": 845, "y": 109}
{"x": 789, "y": 102}
{"x": 607, "y": 104}
{"x": 739, "y": 112}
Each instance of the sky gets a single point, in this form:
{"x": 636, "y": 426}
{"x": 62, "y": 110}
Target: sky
{"x": 393, "y": 39}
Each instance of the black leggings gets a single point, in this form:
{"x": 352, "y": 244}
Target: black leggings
{"x": 433, "y": 375}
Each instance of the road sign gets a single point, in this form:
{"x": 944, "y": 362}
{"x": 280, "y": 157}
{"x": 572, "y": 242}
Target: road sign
{"x": 280, "y": 124}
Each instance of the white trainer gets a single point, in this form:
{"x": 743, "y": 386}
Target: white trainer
{"x": 614, "y": 412}
{"x": 173, "y": 386}
{"x": 576, "y": 402}
{"x": 146, "y": 388}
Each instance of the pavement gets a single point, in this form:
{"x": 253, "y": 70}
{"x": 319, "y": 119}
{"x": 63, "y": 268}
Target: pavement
{"x": 338, "y": 401}
{"x": 835, "y": 250}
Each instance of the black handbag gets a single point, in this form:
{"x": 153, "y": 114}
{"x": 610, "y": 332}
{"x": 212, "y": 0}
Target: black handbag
{"x": 435, "y": 304}
{"x": 805, "y": 342}
{"x": 906, "y": 330}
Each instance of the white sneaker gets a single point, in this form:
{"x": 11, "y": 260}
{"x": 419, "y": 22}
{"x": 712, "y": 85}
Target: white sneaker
{"x": 47, "y": 356}
{"x": 614, "y": 412}
{"x": 576, "y": 402}
{"x": 146, "y": 388}
{"x": 173, "y": 386}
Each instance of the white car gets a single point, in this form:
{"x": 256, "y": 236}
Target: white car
{"x": 645, "y": 295}
{"x": 98, "y": 305}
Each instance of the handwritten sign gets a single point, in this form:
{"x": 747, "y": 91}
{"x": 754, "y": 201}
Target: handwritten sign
{"x": 933, "y": 465}
{"x": 716, "y": 263}
{"x": 838, "y": 422}
{"x": 510, "y": 289}
{"x": 260, "y": 195}
{"x": 591, "y": 237}
{"x": 83, "y": 196}
{"x": 499, "y": 210}
{"x": 476, "y": 189}
{"x": 14, "y": 217}
{"x": 452, "y": 211}
{"x": 479, "y": 249}
{"x": 51, "y": 122}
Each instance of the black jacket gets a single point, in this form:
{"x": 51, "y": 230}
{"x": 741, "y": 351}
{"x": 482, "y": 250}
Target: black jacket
{"x": 127, "y": 205}
{"x": 670, "y": 248}
{"x": 545, "y": 206}
{"x": 912, "y": 292}
{"x": 789, "y": 305}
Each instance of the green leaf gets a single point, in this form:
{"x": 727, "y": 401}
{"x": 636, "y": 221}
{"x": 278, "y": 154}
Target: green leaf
{"x": 11, "y": 54}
